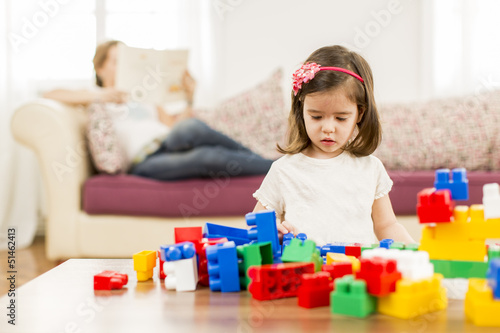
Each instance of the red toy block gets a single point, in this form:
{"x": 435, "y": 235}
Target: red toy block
{"x": 434, "y": 206}
{"x": 108, "y": 280}
{"x": 353, "y": 250}
{"x": 275, "y": 281}
{"x": 203, "y": 278}
{"x": 380, "y": 275}
{"x": 189, "y": 234}
{"x": 161, "y": 272}
{"x": 337, "y": 269}
{"x": 314, "y": 290}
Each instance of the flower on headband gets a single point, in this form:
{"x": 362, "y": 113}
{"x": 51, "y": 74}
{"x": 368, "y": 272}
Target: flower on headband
{"x": 303, "y": 75}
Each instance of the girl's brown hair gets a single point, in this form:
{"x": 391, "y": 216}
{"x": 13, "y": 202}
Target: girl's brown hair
{"x": 369, "y": 130}
{"x": 101, "y": 54}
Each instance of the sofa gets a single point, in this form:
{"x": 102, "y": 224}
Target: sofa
{"x": 114, "y": 216}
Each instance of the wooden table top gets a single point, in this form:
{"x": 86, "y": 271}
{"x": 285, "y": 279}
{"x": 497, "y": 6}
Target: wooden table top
{"x": 63, "y": 300}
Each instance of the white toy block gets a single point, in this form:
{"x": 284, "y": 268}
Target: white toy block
{"x": 413, "y": 265}
{"x": 491, "y": 201}
{"x": 181, "y": 275}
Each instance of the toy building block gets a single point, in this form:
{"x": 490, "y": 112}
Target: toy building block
{"x": 181, "y": 275}
{"x": 493, "y": 251}
{"x": 338, "y": 269}
{"x": 353, "y": 250}
{"x": 480, "y": 307}
{"x": 365, "y": 247}
{"x": 413, "y": 265}
{"x": 302, "y": 251}
{"x": 237, "y": 235}
{"x": 289, "y": 236}
{"x": 223, "y": 267}
{"x": 493, "y": 276}
{"x": 451, "y": 269}
{"x": 414, "y": 297}
{"x": 252, "y": 255}
{"x": 277, "y": 280}
{"x": 203, "y": 277}
{"x": 458, "y": 185}
{"x": 380, "y": 275}
{"x": 340, "y": 257}
{"x": 184, "y": 250}
{"x": 161, "y": 273}
{"x": 412, "y": 247}
{"x": 350, "y": 298}
{"x": 189, "y": 234}
{"x": 434, "y": 206}
{"x": 491, "y": 201}
{"x": 314, "y": 290}
{"x": 144, "y": 263}
{"x": 264, "y": 229}
{"x": 337, "y": 247}
{"x": 397, "y": 246}
{"x": 108, "y": 280}
{"x": 386, "y": 243}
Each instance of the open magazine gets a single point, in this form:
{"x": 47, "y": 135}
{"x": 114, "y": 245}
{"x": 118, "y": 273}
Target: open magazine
{"x": 151, "y": 76}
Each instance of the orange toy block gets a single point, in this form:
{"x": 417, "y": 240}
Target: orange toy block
{"x": 480, "y": 306}
{"x": 414, "y": 298}
{"x": 332, "y": 257}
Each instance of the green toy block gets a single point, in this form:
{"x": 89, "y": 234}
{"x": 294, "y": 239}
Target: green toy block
{"x": 297, "y": 251}
{"x": 412, "y": 247}
{"x": 460, "y": 269}
{"x": 368, "y": 247}
{"x": 493, "y": 252}
{"x": 350, "y": 298}
{"x": 397, "y": 245}
{"x": 252, "y": 255}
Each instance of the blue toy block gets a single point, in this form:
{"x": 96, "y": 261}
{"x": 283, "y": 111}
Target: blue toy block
{"x": 265, "y": 229}
{"x": 386, "y": 243}
{"x": 287, "y": 238}
{"x": 183, "y": 250}
{"x": 458, "y": 186}
{"x": 222, "y": 267}
{"x": 493, "y": 276}
{"x": 237, "y": 235}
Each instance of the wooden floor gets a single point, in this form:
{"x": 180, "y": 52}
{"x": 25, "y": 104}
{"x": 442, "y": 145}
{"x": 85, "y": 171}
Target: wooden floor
{"x": 30, "y": 263}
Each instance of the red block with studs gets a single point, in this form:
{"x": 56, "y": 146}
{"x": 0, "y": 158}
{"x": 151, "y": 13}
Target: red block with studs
{"x": 108, "y": 280}
{"x": 353, "y": 250}
{"x": 314, "y": 290}
{"x": 203, "y": 278}
{"x": 380, "y": 275}
{"x": 434, "y": 206}
{"x": 337, "y": 269}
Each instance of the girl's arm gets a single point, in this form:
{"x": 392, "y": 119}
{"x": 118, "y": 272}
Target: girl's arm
{"x": 85, "y": 97}
{"x": 385, "y": 224}
{"x": 283, "y": 228}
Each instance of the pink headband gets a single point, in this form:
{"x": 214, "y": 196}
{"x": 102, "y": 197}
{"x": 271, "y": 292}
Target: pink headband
{"x": 307, "y": 71}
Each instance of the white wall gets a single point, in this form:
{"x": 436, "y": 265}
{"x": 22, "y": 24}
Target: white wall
{"x": 261, "y": 35}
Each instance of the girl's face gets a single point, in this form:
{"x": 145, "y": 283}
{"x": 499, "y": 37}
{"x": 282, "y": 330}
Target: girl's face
{"x": 108, "y": 69}
{"x": 330, "y": 119}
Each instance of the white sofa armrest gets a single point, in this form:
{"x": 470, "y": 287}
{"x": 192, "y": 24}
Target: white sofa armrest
{"x": 55, "y": 132}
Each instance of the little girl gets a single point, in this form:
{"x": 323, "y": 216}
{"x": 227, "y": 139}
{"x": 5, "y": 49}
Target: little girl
{"x": 328, "y": 185}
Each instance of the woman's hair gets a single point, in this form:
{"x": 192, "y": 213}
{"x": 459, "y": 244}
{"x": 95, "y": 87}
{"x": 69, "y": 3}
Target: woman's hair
{"x": 101, "y": 54}
{"x": 369, "y": 129}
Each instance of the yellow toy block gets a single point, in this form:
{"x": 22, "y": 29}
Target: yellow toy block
{"x": 472, "y": 250}
{"x": 341, "y": 257}
{"x": 414, "y": 298}
{"x": 144, "y": 263}
{"x": 480, "y": 307}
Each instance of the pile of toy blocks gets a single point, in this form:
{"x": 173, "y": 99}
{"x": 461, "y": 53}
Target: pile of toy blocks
{"x": 455, "y": 238}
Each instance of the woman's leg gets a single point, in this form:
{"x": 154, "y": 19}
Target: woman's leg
{"x": 201, "y": 162}
{"x": 190, "y": 133}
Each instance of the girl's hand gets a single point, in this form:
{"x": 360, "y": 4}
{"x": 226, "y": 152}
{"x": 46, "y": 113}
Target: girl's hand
{"x": 110, "y": 95}
{"x": 189, "y": 84}
{"x": 284, "y": 228}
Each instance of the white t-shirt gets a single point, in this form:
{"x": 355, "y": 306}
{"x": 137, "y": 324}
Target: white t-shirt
{"x": 136, "y": 125}
{"x": 330, "y": 200}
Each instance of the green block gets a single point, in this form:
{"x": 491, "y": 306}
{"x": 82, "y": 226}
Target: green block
{"x": 350, "y": 298}
{"x": 412, "y": 247}
{"x": 368, "y": 247}
{"x": 397, "y": 245}
{"x": 460, "y": 269}
{"x": 493, "y": 252}
{"x": 297, "y": 251}
{"x": 252, "y": 255}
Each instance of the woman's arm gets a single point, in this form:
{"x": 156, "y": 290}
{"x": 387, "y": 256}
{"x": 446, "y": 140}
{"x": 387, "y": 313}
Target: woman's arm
{"x": 385, "y": 224}
{"x": 85, "y": 97}
{"x": 283, "y": 228}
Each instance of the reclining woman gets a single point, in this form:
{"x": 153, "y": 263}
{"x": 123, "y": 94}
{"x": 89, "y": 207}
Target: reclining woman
{"x": 159, "y": 145}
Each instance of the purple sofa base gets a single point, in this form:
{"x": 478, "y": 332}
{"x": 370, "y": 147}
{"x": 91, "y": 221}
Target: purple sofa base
{"x": 131, "y": 195}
